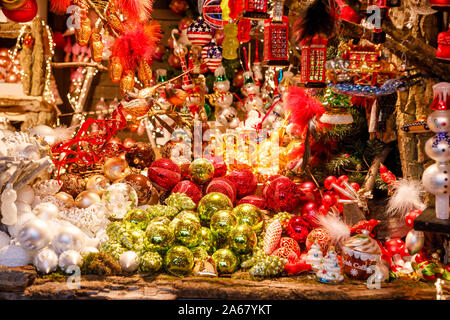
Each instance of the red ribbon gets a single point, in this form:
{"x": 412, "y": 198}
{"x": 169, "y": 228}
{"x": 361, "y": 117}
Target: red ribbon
{"x": 94, "y": 149}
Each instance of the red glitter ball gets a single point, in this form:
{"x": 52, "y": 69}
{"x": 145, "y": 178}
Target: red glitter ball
{"x": 255, "y": 200}
{"x": 282, "y": 195}
{"x": 298, "y": 229}
{"x": 244, "y": 180}
{"x": 188, "y": 188}
{"x": 222, "y": 185}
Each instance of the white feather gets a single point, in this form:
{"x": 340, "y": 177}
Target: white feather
{"x": 407, "y": 196}
{"x": 63, "y": 133}
{"x": 338, "y": 230}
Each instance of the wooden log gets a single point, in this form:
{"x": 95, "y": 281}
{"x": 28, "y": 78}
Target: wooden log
{"x": 369, "y": 181}
{"x": 38, "y": 68}
{"x": 16, "y": 279}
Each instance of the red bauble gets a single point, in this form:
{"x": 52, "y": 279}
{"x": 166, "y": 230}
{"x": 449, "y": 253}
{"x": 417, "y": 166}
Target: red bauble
{"x": 308, "y": 191}
{"x": 174, "y": 61}
{"x": 128, "y": 142}
{"x": 396, "y": 246}
{"x": 282, "y": 195}
{"x": 328, "y": 200}
{"x": 267, "y": 183}
{"x": 159, "y": 52}
{"x": 255, "y": 200}
{"x": 238, "y": 80}
{"x": 188, "y": 188}
{"x": 285, "y": 253}
{"x": 298, "y": 229}
{"x": 411, "y": 216}
{"x": 164, "y": 174}
{"x": 24, "y": 14}
{"x": 222, "y": 185}
{"x": 291, "y": 245}
{"x": 244, "y": 180}
{"x": 220, "y": 167}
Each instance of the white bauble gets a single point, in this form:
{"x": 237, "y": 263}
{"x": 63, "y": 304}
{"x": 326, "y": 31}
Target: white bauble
{"x": 46, "y": 211}
{"x": 438, "y": 148}
{"x": 14, "y": 256}
{"x": 21, "y": 220}
{"x": 435, "y": 179}
{"x": 69, "y": 258}
{"x": 439, "y": 121}
{"x": 26, "y": 194}
{"x": 46, "y": 260}
{"x": 129, "y": 261}
{"x": 68, "y": 238}
{"x": 34, "y": 235}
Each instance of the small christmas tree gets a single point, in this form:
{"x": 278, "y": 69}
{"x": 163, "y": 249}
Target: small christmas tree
{"x": 314, "y": 257}
{"x": 329, "y": 270}
{"x": 336, "y": 108}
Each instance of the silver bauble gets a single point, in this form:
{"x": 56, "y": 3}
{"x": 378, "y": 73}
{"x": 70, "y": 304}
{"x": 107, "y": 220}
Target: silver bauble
{"x": 129, "y": 261}
{"x": 69, "y": 258}
{"x": 438, "y": 150}
{"x": 34, "y": 235}
{"x": 21, "y": 220}
{"x": 46, "y": 260}
{"x": 439, "y": 121}
{"x": 414, "y": 241}
{"x": 435, "y": 179}
{"x": 46, "y": 211}
{"x": 68, "y": 238}
{"x": 14, "y": 256}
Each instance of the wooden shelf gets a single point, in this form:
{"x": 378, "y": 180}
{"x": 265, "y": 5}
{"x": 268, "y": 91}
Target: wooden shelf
{"x": 427, "y": 221}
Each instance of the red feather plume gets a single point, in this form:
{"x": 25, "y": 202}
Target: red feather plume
{"x": 137, "y": 44}
{"x": 301, "y": 106}
{"x": 135, "y": 10}
{"x": 59, "y": 6}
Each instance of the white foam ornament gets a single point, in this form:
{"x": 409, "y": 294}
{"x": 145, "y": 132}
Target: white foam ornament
{"x": 8, "y": 207}
{"x": 129, "y": 261}
{"x": 14, "y": 256}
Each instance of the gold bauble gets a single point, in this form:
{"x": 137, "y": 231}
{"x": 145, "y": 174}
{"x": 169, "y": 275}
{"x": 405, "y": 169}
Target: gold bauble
{"x": 13, "y": 4}
{"x": 96, "y": 47}
{"x": 66, "y": 198}
{"x": 145, "y": 73}
{"x": 87, "y": 198}
{"x": 116, "y": 168}
{"x": 115, "y": 69}
{"x": 97, "y": 183}
{"x": 127, "y": 81}
{"x": 83, "y": 34}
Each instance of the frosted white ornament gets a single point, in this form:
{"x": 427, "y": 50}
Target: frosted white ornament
{"x": 21, "y": 220}
{"x": 69, "y": 258}
{"x": 46, "y": 260}
{"x": 46, "y": 210}
{"x": 68, "y": 238}
{"x": 22, "y": 208}
{"x": 129, "y": 261}
{"x": 439, "y": 121}
{"x": 14, "y": 256}
{"x": 8, "y": 207}
{"x": 435, "y": 179}
{"x": 88, "y": 250}
{"x": 26, "y": 194}
{"x": 34, "y": 235}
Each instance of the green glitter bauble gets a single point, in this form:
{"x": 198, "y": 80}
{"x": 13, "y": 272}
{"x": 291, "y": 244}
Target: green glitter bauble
{"x": 139, "y": 217}
{"x": 159, "y": 210}
{"x": 201, "y": 171}
{"x": 249, "y": 214}
{"x": 150, "y": 262}
{"x": 187, "y": 232}
{"x": 199, "y": 253}
{"x": 160, "y": 220}
{"x": 256, "y": 257}
{"x": 242, "y": 239}
{"x": 159, "y": 237}
{"x": 207, "y": 240}
{"x": 270, "y": 266}
{"x": 210, "y": 204}
{"x": 222, "y": 222}
{"x": 113, "y": 248}
{"x": 179, "y": 260}
{"x": 180, "y": 201}
{"x": 225, "y": 260}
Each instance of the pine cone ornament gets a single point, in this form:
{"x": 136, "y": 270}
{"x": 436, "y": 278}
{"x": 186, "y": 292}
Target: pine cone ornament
{"x": 269, "y": 267}
{"x": 150, "y": 262}
{"x": 272, "y": 236}
{"x": 180, "y": 201}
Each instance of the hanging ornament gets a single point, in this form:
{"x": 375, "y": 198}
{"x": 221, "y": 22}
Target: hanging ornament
{"x": 255, "y": 9}
{"x": 127, "y": 81}
{"x": 230, "y": 43}
{"x": 115, "y": 69}
{"x": 199, "y": 33}
{"x": 336, "y": 108}
{"x": 145, "y": 73}
{"x": 244, "y": 27}
{"x": 212, "y": 13}
{"x": 96, "y": 46}
{"x": 83, "y": 33}
{"x": 314, "y": 56}
{"x": 443, "y": 49}
{"x": 276, "y": 41}
{"x": 24, "y": 13}
{"x": 213, "y": 56}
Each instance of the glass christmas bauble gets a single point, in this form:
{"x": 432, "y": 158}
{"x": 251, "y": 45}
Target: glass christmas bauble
{"x": 72, "y": 183}
{"x": 248, "y": 214}
{"x": 298, "y": 229}
{"x": 319, "y": 235}
{"x": 150, "y": 262}
{"x": 87, "y": 198}
{"x": 222, "y": 222}
{"x": 207, "y": 240}
{"x": 179, "y": 260}
{"x": 282, "y": 195}
{"x": 188, "y": 188}
{"x": 439, "y": 121}
{"x": 138, "y": 217}
{"x": 97, "y": 183}
{"x": 187, "y": 232}
{"x": 68, "y": 238}
{"x": 142, "y": 185}
{"x": 435, "y": 179}
{"x": 119, "y": 198}
{"x": 201, "y": 171}
{"x": 224, "y": 186}
{"x": 115, "y": 168}
{"x": 242, "y": 239}
{"x": 211, "y": 203}
{"x": 140, "y": 156}
{"x": 244, "y": 180}
{"x": 225, "y": 260}
{"x": 159, "y": 237}
{"x": 438, "y": 147}
{"x": 34, "y": 235}
{"x": 199, "y": 253}
{"x": 164, "y": 174}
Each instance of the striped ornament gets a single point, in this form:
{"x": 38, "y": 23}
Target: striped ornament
{"x": 213, "y": 56}
{"x": 272, "y": 237}
{"x": 212, "y": 13}
{"x": 199, "y": 33}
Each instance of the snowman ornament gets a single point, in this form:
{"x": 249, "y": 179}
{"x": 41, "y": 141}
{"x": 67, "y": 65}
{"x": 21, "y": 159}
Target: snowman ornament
{"x": 226, "y": 115}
